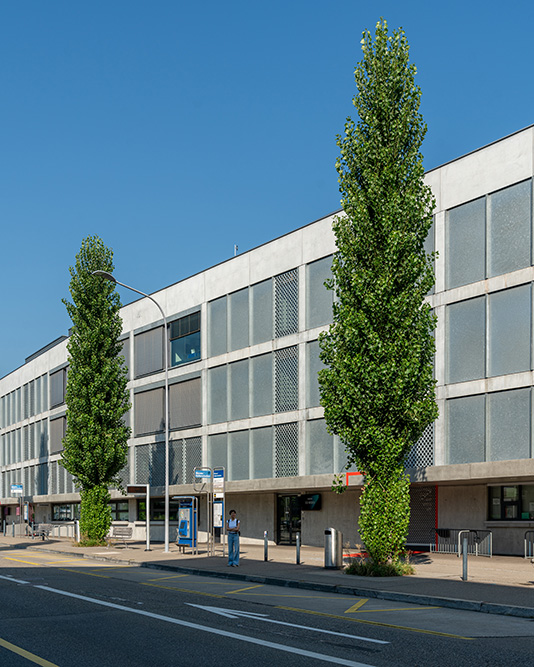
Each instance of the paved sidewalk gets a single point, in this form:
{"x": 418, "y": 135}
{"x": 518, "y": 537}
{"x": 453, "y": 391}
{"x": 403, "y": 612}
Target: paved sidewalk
{"x": 498, "y": 585}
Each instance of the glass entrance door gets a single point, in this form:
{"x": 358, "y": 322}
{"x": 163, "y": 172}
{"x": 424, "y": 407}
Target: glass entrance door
{"x": 288, "y": 519}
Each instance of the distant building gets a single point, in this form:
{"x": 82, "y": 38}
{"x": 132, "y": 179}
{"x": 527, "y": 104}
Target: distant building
{"x": 243, "y": 394}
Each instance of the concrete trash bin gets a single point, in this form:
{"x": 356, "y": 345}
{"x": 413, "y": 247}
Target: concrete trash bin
{"x": 333, "y": 548}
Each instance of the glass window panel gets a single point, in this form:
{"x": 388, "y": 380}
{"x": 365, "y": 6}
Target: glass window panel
{"x": 238, "y": 315}
{"x": 527, "y": 501}
{"x": 494, "y": 497}
{"x": 509, "y": 229}
{"x": 466, "y": 429}
{"x": 320, "y": 448}
{"x": 314, "y": 364}
{"x": 465, "y": 245}
{"x": 262, "y": 384}
{"x": 509, "y": 425}
{"x": 239, "y": 390}
{"x": 262, "y": 312}
{"x": 238, "y": 454}
{"x": 466, "y": 340}
{"x": 217, "y": 395}
{"x": 509, "y": 331}
{"x": 217, "y": 326}
{"x": 218, "y": 450}
{"x": 261, "y": 453}
{"x": 185, "y": 349}
{"x": 148, "y": 351}
{"x": 57, "y": 390}
{"x": 57, "y": 433}
{"x": 318, "y": 299}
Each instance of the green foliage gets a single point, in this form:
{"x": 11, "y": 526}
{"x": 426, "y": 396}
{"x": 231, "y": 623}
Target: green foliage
{"x": 368, "y": 568}
{"x": 95, "y": 518}
{"x": 377, "y": 388}
{"x": 95, "y": 445}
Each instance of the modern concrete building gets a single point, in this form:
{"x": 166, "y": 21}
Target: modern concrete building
{"x": 243, "y": 388}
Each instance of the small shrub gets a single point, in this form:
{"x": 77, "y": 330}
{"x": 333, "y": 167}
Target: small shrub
{"x": 364, "y": 567}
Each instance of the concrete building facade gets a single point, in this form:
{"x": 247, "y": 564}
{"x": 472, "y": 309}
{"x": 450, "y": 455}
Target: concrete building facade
{"x": 243, "y": 349}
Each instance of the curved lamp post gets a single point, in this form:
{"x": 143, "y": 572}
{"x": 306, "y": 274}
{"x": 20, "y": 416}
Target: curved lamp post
{"x": 111, "y": 278}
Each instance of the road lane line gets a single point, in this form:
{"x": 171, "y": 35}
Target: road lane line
{"x": 88, "y": 574}
{"x": 214, "y": 631}
{"x": 248, "y": 588}
{"x": 378, "y": 623}
{"x": 19, "y": 560}
{"x": 13, "y": 580}
{"x": 356, "y": 606}
{"x": 174, "y": 576}
{"x": 26, "y": 654}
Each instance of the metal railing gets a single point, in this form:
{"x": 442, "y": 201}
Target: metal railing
{"x": 529, "y": 544}
{"x": 448, "y": 541}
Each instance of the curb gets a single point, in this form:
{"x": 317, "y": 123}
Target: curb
{"x": 411, "y": 598}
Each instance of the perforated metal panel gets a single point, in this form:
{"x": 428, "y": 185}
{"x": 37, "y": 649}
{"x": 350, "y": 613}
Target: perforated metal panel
{"x": 148, "y": 351}
{"x": 286, "y": 303}
{"x": 422, "y": 515}
{"x": 286, "y": 374}
{"x": 42, "y": 485}
{"x": 286, "y": 446}
{"x": 150, "y": 464}
{"x": 184, "y": 456}
{"x": 422, "y": 453}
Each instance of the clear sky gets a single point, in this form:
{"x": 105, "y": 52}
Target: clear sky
{"x": 175, "y": 129}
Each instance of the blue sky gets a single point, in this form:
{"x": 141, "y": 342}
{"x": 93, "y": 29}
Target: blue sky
{"x": 175, "y": 130}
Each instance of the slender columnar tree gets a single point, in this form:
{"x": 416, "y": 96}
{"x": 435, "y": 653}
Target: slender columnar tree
{"x": 377, "y": 389}
{"x": 95, "y": 445}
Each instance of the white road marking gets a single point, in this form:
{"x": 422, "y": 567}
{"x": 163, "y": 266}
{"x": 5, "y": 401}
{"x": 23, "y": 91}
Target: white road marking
{"x": 16, "y": 581}
{"x": 232, "y": 613}
{"x": 214, "y": 631}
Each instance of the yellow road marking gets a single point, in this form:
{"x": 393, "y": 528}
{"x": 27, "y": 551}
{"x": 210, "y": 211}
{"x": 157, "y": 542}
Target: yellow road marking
{"x": 378, "y": 623}
{"x": 19, "y": 560}
{"x": 370, "y": 611}
{"x": 26, "y": 654}
{"x": 248, "y": 588}
{"x": 356, "y": 606}
{"x": 182, "y": 590}
{"x": 89, "y": 574}
{"x": 174, "y": 576}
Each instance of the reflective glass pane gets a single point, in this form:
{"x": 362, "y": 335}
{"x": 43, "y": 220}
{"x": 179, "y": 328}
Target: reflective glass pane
{"x": 318, "y": 299}
{"x": 185, "y": 349}
{"x": 466, "y": 340}
{"x": 238, "y": 314}
{"x": 465, "y": 247}
{"x": 239, "y": 390}
{"x": 466, "y": 429}
{"x": 509, "y": 425}
{"x": 261, "y": 453}
{"x": 262, "y": 312}
{"x": 217, "y": 326}
{"x": 218, "y": 450}
{"x": 509, "y": 331}
{"x": 238, "y": 454}
{"x": 314, "y": 365}
{"x": 262, "y": 384}
{"x": 320, "y": 448}
{"x": 217, "y": 395}
{"x": 509, "y": 229}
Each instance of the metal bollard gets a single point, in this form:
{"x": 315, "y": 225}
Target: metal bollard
{"x": 265, "y": 547}
{"x": 298, "y": 548}
{"x": 464, "y": 558}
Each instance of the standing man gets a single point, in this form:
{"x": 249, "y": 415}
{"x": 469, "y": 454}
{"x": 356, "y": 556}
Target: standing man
{"x": 232, "y": 529}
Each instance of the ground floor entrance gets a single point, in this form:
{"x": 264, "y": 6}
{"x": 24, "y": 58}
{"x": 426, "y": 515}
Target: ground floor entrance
{"x": 288, "y": 519}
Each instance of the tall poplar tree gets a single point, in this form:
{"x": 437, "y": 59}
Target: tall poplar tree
{"x": 377, "y": 389}
{"x": 95, "y": 445}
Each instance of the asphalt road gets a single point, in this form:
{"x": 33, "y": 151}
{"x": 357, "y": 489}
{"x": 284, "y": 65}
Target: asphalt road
{"x": 64, "y": 612}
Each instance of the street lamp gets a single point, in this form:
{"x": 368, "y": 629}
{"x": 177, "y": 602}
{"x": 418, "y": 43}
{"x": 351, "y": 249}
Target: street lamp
{"x": 111, "y": 278}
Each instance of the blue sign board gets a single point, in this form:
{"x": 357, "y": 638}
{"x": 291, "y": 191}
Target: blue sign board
{"x": 203, "y": 474}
